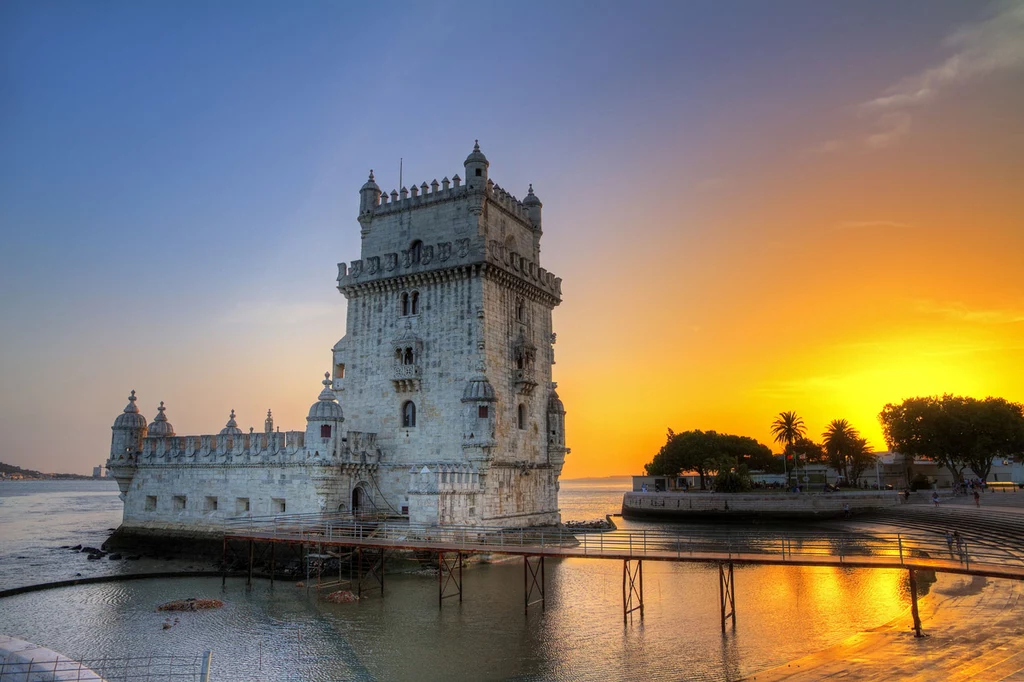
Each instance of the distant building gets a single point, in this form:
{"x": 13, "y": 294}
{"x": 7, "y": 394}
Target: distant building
{"x": 450, "y": 415}
{"x": 97, "y": 472}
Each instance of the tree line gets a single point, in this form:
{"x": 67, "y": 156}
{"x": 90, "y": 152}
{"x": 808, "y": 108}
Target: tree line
{"x": 956, "y": 432}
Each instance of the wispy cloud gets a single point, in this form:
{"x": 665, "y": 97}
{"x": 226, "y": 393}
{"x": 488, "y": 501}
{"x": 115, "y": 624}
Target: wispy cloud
{"x": 996, "y": 44}
{"x": 989, "y": 46}
{"x": 869, "y": 224}
{"x": 961, "y": 312}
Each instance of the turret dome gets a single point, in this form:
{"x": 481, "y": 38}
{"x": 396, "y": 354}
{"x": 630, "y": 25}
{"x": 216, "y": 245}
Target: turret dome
{"x": 130, "y": 418}
{"x": 160, "y": 426}
{"x": 370, "y": 184}
{"x": 531, "y": 198}
{"x": 478, "y": 389}
{"x": 231, "y": 428}
{"x": 326, "y": 408}
{"x": 476, "y": 156}
{"x": 555, "y": 403}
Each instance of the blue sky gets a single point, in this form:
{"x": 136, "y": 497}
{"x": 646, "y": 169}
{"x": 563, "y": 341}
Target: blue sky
{"x": 178, "y": 180}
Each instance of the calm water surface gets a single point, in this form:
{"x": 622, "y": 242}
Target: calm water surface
{"x": 283, "y": 633}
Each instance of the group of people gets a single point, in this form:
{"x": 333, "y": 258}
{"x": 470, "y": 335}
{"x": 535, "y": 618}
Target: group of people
{"x": 955, "y": 539}
{"x": 977, "y": 497}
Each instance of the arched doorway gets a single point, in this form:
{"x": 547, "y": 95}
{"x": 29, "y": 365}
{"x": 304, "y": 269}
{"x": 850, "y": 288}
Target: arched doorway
{"x": 358, "y": 500}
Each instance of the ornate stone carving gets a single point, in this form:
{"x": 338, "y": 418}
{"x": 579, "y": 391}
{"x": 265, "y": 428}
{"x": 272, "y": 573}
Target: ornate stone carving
{"x": 357, "y": 268}
{"x": 390, "y": 261}
{"x": 373, "y": 265}
{"x": 427, "y": 255}
{"x": 462, "y": 247}
{"x": 444, "y": 251}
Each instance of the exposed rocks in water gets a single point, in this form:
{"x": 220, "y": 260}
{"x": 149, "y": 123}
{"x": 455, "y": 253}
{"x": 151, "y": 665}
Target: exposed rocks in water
{"x": 190, "y": 604}
{"x": 597, "y": 524}
{"x": 115, "y": 557}
{"x": 94, "y": 557}
{"x": 76, "y": 548}
{"x": 341, "y": 597}
{"x": 133, "y": 557}
{"x": 91, "y": 550}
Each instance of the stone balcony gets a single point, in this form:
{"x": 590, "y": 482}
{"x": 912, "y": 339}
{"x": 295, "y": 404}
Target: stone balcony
{"x": 406, "y": 377}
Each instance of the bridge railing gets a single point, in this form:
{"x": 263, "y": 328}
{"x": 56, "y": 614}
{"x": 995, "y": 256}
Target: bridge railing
{"x": 650, "y": 543}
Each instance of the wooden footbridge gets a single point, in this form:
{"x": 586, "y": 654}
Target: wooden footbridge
{"x": 367, "y": 543}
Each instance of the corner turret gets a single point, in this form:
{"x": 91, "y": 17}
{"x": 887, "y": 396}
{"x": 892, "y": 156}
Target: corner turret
{"x": 476, "y": 168}
{"x": 533, "y": 208}
{"x": 125, "y": 444}
{"x": 323, "y": 423}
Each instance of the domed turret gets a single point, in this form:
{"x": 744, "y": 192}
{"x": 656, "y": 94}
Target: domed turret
{"x": 533, "y": 207}
{"x": 231, "y": 428}
{"x": 160, "y": 426}
{"x": 476, "y": 168}
{"x": 125, "y": 444}
{"x": 326, "y": 408}
{"x": 130, "y": 418}
{"x": 369, "y": 195}
{"x": 268, "y": 423}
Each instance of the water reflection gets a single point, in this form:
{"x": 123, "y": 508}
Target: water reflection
{"x": 281, "y": 633}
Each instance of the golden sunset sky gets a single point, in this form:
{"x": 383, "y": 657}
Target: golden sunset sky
{"x": 755, "y": 207}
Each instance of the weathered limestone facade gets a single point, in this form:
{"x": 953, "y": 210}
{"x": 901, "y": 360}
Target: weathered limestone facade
{"x": 450, "y": 414}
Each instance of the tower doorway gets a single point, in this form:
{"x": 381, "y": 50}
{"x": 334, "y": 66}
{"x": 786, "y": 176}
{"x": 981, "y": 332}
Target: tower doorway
{"x": 359, "y": 500}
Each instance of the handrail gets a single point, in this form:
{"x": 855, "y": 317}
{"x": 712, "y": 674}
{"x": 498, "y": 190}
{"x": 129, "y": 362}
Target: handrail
{"x": 902, "y": 547}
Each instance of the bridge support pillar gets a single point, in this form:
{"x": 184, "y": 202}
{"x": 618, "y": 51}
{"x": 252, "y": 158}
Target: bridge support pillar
{"x": 252, "y": 550}
{"x": 533, "y": 580}
{"x": 632, "y": 588}
{"x": 447, "y": 575}
{"x": 913, "y": 603}
{"x": 727, "y": 594}
{"x": 224, "y": 564}
{"x": 374, "y": 559}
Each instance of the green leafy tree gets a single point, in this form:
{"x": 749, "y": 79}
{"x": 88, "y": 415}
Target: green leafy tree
{"x": 957, "y": 432}
{"x": 787, "y": 429}
{"x": 806, "y": 450}
{"x": 705, "y": 452}
{"x": 845, "y": 450}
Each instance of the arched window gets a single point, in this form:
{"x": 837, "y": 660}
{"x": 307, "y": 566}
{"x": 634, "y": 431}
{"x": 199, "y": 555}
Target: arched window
{"x": 519, "y": 360}
{"x": 408, "y": 358}
{"x": 409, "y": 414}
{"x": 415, "y": 251}
{"x": 405, "y": 304}
{"x": 520, "y": 310}
{"x": 415, "y": 306}
{"x": 522, "y": 416}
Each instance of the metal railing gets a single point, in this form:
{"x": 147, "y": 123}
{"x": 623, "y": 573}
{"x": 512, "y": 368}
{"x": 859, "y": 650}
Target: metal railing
{"x": 796, "y": 546}
{"x": 108, "y": 669}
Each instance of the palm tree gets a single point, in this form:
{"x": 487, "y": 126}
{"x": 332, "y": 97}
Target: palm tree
{"x": 841, "y": 444}
{"x": 788, "y": 428}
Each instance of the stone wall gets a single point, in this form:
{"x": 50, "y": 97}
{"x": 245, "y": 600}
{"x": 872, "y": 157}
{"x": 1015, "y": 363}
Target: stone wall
{"x": 697, "y": 504}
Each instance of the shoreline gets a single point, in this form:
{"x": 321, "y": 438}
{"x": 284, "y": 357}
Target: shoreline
{"x": 967, "y": 626}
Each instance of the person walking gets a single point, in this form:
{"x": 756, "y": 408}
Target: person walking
{"x": 949, "y": 543}
{"x": 977, "y": 499}
{"x": 935, "y": 498}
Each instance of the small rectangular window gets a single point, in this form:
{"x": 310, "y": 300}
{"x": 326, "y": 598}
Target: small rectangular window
{"x": 241, "y": 505}
{"x": 325, "y": 431}
{"x": 278, "y": 505}
{"x": 150, "y": 502}
{"x": 339, "y": 370}
{"x": 211, "y": 504}
{"x": 179, "y": 502}
{"x": 482, "y": 412}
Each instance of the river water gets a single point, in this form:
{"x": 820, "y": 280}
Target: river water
{"x": 283, "y": 633}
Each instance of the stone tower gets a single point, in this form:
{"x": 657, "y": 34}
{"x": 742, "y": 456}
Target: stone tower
{"x": 448, "y": 352}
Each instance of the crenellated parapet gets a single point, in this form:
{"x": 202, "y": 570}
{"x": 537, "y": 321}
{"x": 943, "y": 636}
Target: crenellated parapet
{"x": 524, "y": 268}
{"x": 226, "y": 449}
{"x": 428, "y": 257}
